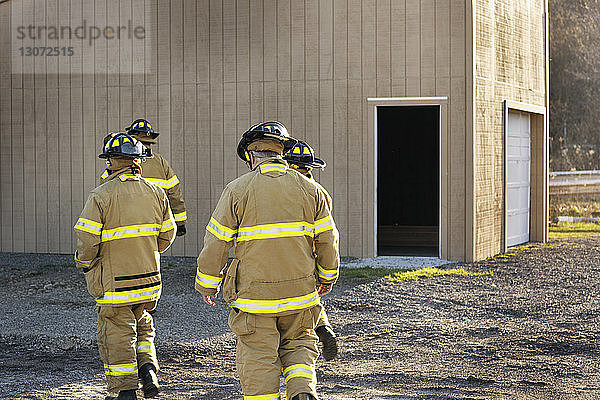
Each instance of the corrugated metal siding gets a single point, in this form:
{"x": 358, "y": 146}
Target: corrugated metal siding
{"x": 217, "y": 67}
{"x": 509, "y": 66}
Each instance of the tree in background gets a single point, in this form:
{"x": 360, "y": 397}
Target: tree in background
{"x": 574, "y": 84}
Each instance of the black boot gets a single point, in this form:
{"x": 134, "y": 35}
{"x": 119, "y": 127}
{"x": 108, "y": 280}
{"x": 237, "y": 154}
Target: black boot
{"x": 303, "y": 396}
{"x": 147, "y": 374}
{"x": 124, "y": 395}
{"x": 327, "y": 337}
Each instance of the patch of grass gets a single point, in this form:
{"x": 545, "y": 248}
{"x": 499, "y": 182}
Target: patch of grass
{"x": 574, "y": 229}
{"x": 368, "y": 272}
{"x": 578, "y": 206}
{"x": 431, "y": 272}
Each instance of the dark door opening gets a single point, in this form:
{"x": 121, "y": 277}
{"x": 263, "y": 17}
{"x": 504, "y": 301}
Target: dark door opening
{"x": 408, "y": 162}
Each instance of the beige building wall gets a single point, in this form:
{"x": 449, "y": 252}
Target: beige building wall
{"x": 510, "y": 66}
{"x": 216, "y": 68}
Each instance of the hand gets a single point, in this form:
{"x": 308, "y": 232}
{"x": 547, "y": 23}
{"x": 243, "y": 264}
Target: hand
{"x": 181, "y": 230}
{"x": 324, "y": 289}
{"x": 208, "y": 299}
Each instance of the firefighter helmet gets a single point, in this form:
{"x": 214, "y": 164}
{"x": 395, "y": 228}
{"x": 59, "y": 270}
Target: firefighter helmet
{"x": 304, "y": 156}
{"x": 142, "y": 130}
{"x": 122, "y": 144}
{"x": 266, "y": 130}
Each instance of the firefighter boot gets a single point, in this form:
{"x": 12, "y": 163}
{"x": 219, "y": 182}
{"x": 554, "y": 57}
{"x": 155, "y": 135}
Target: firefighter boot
{"x": 327, "y": 337}
{"x": 149, "y": 379}
{"x": 303, "y": 396}
{"x": 124, "y": 395}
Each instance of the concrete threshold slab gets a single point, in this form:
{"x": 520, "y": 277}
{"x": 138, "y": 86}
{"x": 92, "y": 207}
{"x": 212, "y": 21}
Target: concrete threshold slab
{"x": 407, "y": 262}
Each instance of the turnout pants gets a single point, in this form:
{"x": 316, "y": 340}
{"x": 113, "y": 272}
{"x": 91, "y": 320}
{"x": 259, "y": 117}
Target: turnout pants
{"x": 125, "y": 343}
{"x": 269, "y": 346}
{"x": 323, "y": 320}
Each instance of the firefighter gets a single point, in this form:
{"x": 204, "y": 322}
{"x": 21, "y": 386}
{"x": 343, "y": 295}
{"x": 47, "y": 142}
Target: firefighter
{"x": 125, "y": 224}
{"x": 302, "y": 158}
{"x": 158, "y": 171}
{"x": 276, "y": 218}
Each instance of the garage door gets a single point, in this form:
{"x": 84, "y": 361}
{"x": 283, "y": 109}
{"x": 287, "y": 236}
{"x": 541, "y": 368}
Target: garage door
{"x": 518, "y": 178}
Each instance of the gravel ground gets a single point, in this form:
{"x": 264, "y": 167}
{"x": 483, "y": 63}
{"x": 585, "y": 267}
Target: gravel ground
{"x": 530, "y": 330}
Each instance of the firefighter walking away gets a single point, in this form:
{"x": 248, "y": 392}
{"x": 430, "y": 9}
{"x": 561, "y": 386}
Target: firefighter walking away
{"x": 286, "y": 256}
{"x": 124, "y": 226}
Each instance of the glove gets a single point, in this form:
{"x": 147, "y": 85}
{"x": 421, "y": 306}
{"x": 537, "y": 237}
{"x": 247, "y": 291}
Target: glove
{"x": 181, "y": 230}
{"x": 324, "y": 289}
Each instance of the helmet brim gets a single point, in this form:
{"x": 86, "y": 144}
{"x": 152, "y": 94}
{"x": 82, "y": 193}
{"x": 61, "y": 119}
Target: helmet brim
{"x": 105, "y": 155}
{"x": 145, "y": 138}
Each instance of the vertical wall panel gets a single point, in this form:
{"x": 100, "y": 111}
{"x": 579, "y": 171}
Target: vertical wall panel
{"x": 18, "y": 204}
{"x": 413, "y": 47}
{"x": 326, "y": 103}
{"x": 398, "y": 47}
{"x": 243, "y": 76}
{"x": 202, "y": 210}
{"x": 216, "y": 99}
{"x": 428, "y": 47}
{"x": 6, "y": 176}
{"x": 270, "y": 60}
{"x": 298, "y": 100}
{"x": 354, "y": 130}
{"x": 457, "y": 140}
{"x": 28, "y": 148}
{"x": 339, "y": 163}
{"x": 383, "y": 48}
{"x": 369, "y": 85}
{"x": 189, "y": 173}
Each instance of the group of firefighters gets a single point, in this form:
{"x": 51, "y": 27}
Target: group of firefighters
{"x": 286, "y": 257}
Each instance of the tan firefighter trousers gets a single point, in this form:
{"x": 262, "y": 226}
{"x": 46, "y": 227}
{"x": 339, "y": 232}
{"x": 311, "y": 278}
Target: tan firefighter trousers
{"x": 125, "y": 343}
{"x": 323, "y": 320}
{"x": 269, "y": 346}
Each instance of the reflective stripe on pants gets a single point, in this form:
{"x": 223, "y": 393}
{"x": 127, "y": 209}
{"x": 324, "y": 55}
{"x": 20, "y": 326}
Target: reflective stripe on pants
{"x": 121, "y": 331}
{"x": 268, "y": 345}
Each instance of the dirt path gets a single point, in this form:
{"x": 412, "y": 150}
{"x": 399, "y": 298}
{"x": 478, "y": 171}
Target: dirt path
{"x": 528, "y": 331}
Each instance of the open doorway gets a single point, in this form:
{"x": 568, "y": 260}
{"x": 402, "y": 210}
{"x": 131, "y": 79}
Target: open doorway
{"x": 408, "y": 180}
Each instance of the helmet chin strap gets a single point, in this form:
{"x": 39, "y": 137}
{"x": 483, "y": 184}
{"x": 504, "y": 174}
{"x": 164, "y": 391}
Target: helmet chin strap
{"x": 250, "y": 163}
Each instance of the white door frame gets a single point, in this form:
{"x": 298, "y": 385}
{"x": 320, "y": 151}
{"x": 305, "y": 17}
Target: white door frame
{"x": 442, "y": 103}
{"x": 538, "y": 215}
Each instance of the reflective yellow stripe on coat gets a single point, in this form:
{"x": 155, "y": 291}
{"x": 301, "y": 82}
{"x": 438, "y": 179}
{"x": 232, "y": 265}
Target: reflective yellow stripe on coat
{"x": 221, "y": 231}
{"x": 164, "y": 183}
{"x": 130, "y": 231}
{"x": 147, "y": 294}
{"x": 323, "y": 225}
{"x": 89, "y": 226}
{"x": 207, "y": 281}
{"x": 269, "y": 231}
{"x": 276, "y": 306}
{"x": 272, "y": 231}
{"x": 272, "y": 167}
{"x": 327, "y": 274}
{"x": 180, "y": 217}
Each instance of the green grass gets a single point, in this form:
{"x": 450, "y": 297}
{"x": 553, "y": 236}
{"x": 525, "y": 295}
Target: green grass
{"x": 581, "y": 206}
{"x": 574, "y": 229}
{"x": 368, "y": 272}
{"x": 431, "y": 272}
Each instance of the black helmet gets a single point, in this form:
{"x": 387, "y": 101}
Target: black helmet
{"x": 303, "y": 155}
{"x": 122, "y": 144}
{"x": 265, "y": 130}
{"x": 142, "y": 130}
